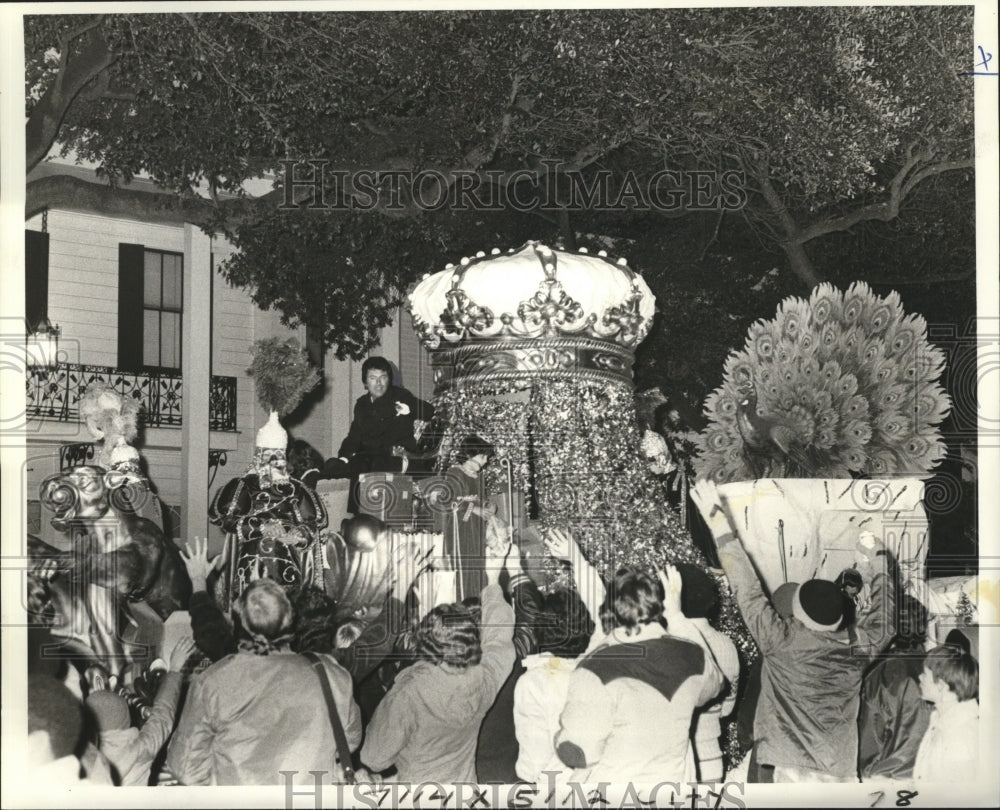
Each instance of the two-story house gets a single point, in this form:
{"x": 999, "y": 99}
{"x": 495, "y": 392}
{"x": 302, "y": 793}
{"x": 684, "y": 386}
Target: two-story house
{"x": 142, "y": 305}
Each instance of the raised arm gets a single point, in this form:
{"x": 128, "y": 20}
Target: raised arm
{"x": 156, "y": 730}
{"x": 213, "y": 634}
{"x": 762, "y": 620}
{"x": 876, "y": 625}
{"x": 189, "y": 756}
{"x": 563, "y": 545}
{"x": 496, "y": 630}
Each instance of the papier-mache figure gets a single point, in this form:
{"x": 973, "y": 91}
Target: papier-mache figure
{"x": 112, "y": 420}
{"x": 273, "y": 520}
{"x": 118, "y": 553}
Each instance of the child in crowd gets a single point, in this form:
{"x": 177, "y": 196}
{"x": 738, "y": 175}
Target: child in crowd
{"x": 949, "y": 750}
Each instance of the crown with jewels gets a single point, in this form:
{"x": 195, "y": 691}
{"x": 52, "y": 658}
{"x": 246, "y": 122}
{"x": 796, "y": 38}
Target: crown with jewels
{"x": 533, "y": 310}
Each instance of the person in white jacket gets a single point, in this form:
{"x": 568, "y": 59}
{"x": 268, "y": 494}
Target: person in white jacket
{"x": 541, "y": 691}
{"x": 950, "y": 749}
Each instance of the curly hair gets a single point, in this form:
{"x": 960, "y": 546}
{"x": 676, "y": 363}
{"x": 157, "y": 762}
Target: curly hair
{"x": 266, "y": 616}
{"x": 315, "y": 624}
{"x": 115, "y": 414}
{"x": 449, "y": 634}
{"x": 634, "y": 598}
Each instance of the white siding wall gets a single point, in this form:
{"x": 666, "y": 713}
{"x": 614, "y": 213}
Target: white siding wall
{"x": 83, "y": 277}
{"x": 83, "y": 301}
{"x": 414, "y": 360}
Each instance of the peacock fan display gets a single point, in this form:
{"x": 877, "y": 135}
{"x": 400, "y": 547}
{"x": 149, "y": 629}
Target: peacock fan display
{"x": 844, "y": 384}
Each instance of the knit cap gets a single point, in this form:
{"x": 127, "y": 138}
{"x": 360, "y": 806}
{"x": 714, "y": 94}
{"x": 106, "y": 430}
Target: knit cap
{"x": 819, "y": 605}
{"x": 109, "y": 710}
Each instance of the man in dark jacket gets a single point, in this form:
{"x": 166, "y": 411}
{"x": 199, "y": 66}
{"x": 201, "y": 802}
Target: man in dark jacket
{"x": 806, "y": 722}
{"x": 383, "y": 419}
{"x": 894, "y": 716}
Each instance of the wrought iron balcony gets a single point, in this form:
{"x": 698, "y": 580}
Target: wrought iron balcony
{"x": 55, "y": 393}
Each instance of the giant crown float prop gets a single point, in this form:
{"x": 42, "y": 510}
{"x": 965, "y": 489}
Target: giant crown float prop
{"x": 533, "y": 350}
{"x": 532, "y": 311}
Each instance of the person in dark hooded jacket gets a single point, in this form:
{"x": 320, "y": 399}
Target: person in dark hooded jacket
{"x": 806, "y": 721}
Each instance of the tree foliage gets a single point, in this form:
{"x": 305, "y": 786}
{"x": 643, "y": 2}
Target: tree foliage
{"x": 838, "y": 118}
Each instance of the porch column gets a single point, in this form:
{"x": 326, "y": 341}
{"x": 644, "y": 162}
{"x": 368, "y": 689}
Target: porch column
{"x": 196, "y": 367}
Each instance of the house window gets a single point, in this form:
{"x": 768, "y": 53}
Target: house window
{"x": 36, "y": 278}
{"x": 150, "y": 306}
{"x": 162, "y": 302}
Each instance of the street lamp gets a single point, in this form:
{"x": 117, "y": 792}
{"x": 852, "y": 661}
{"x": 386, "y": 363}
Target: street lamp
{"x": 44, "y": 345}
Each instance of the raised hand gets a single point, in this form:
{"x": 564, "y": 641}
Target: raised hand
{"x": 183, "y": 649}
{"x": 198, "y": 565}
{"x": 705, "y": 495}
{"x": 496, "y": 559}
{"x": 561, "y": 544}
{"x": 670, "y": 579}
{"x": 867, "y": 548}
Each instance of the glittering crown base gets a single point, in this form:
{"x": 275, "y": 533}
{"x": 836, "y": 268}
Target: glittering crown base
{"x": 511, "y": 359}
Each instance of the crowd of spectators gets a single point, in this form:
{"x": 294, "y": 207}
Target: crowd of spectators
{"x": 620, "y": 681}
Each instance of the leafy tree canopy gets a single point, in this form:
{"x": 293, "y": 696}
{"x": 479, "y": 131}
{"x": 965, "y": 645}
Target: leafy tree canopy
{"x": 839, "y": 118}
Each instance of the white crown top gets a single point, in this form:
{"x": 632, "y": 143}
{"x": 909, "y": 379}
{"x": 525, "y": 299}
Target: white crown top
{"x": 533, "y": 292}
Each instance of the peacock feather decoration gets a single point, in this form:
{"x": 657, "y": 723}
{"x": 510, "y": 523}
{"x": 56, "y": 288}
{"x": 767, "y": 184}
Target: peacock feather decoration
{"x": 844, "y": 384}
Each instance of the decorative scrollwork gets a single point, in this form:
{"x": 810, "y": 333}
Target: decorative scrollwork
{"x": 56, "y": 393}
{"x": 75, "y": 455}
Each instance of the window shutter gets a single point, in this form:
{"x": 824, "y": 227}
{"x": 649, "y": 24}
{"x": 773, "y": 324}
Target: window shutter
{"x": 36, "y": 277}
{"x": 130, "y": 274}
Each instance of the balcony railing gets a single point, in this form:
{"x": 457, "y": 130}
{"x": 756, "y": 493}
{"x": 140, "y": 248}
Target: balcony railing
{"x": 55, "y": 393}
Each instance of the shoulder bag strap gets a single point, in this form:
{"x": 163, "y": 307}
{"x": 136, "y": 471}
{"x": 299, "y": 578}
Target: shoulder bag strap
{"x": 343, "y": 751}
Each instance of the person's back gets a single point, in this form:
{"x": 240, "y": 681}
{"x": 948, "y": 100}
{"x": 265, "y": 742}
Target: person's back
{"x": 248, "y": 717}
{"x": 630, "y": 702}
{"x": 428, "y": 723}
{"x": 261, "y": 711}
{"x": 806, "y": 720}
{"x": 808, "y": 705}
{"x": 629, "y": 709}
{"x": 893, "y": 718}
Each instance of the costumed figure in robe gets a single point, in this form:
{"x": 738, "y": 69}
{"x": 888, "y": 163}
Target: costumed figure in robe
{"x": 464, "y": 515}
{"x": 272, "y": 520}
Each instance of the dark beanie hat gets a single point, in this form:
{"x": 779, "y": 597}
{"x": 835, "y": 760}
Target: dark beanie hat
{"x": 819, "y": 605}
{"x": 699, "y": 593}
